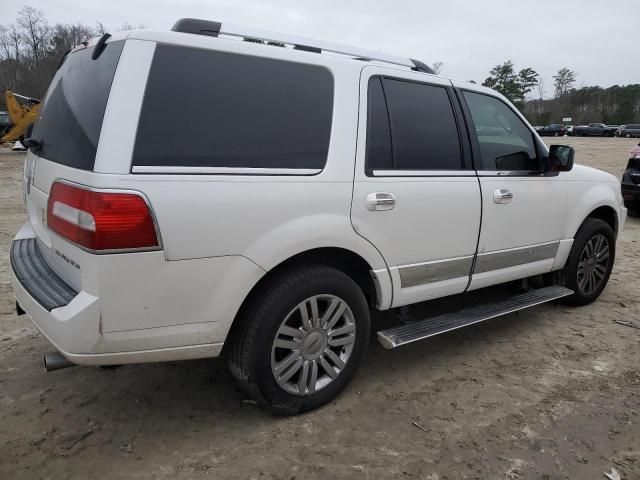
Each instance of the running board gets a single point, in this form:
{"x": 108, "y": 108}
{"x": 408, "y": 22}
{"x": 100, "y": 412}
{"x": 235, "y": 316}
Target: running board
{"x": 419, "y": 330}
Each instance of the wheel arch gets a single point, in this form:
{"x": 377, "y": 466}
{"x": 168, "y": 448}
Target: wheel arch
{"x": 347, "y": 261}
{"x": 321, "y": 238}
{"x": 601, "y": 201}
{"x": 606, "y": 213}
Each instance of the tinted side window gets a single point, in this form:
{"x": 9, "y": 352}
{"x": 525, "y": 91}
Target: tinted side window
{"x": 423, "y": 128}
{"x": 71, "y": 117}
{"x": 505, "y": 141}
{"x": 379, "y": 155}
{"x": 213, "y": 109}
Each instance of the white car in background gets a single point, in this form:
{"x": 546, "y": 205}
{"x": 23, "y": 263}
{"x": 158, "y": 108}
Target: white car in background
{"x": 310, "y": 183}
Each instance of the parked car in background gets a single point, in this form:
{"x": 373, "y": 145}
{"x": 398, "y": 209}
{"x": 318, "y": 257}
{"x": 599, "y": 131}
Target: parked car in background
{"x": 18, "y": 146}
{"x": 631, "y": 183}
{"x": 594, "y": 130}
{"x": 5, "y": 123}
{"x": 628, "y": 131}
{"x": 553, "y": 130}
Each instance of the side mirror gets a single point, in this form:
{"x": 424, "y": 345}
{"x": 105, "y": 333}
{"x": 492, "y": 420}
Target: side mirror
{"x": 32, "y": 144}
{"x": 561, "y": 158}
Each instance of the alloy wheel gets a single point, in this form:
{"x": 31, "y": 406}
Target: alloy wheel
{"x": 593, "y": 264}
{"x": 313, "y": 344}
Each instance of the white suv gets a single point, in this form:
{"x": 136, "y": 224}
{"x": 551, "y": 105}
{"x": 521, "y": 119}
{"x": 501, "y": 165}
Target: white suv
{"x": 192, "y": 194}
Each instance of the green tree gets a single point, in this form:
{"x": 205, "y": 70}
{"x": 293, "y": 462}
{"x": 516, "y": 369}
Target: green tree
{"x": 528, "y": 79}
{"x": 563, "y": 81}
{"x": 503, "y": 79}
{"x": 512, "y": 85}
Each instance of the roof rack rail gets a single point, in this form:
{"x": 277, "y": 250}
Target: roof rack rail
{"x": 211, "y": 28}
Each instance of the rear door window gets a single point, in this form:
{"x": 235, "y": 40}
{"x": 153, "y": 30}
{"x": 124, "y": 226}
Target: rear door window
{"x": 71, "y": 116}
{"x": 411, "y": 126}
{"x": 205, "y": 108}
{"x": 379, "y": 154}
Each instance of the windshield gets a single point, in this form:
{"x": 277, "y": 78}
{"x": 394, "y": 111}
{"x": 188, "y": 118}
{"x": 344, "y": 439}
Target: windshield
{"x": 71, "y": 117}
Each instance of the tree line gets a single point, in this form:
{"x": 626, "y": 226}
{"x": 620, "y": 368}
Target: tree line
{"x": 617, "y": 105}
{"x": 614, "y": 105}
{"x": 31, "y": 50}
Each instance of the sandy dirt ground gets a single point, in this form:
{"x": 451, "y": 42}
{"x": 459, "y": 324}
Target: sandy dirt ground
{"x": 548, "y": 393}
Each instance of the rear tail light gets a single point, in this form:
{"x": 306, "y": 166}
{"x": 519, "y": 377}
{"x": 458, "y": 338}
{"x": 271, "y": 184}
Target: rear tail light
{"x": 100, "y": 220}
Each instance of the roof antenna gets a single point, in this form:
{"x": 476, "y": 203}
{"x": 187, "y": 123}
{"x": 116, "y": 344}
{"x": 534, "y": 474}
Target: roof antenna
{"x": 421, "y": 67}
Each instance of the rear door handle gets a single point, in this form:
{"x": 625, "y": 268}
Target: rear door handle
{"x": 380, "y": 201}
{"x": 502, "y": 195}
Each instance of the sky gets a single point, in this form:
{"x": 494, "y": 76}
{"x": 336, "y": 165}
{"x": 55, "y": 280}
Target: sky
{"x": 595, "y": 38}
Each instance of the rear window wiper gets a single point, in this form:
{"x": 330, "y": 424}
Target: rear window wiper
{"x": 97, "y": 50}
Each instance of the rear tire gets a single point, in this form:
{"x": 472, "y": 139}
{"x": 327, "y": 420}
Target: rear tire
{"x": 300, "y": 339}
{"x": 590, "y": 262}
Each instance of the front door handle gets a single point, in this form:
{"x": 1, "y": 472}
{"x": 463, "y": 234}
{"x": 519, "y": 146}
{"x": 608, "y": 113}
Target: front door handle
{"x": 502, "y": 195}
{"x": 381, "y": 201}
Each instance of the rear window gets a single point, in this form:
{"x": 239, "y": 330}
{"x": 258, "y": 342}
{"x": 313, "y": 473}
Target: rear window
{"x": 634, "y": 163}
{"x": 214, "y": 109}
{"x": 73, "y": 109}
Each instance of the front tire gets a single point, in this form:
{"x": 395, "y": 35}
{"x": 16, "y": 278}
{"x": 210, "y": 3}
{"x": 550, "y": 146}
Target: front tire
{"x": 300, "y": 339}
{"x": 590, "y": 262}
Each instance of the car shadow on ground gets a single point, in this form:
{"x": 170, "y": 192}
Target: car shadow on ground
{"x": 202, "y": 392}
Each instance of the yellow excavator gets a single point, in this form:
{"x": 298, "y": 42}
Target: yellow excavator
{"x": 23, "y": 111}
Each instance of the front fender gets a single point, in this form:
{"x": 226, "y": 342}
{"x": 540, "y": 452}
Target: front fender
{"x": 584, "y": 197}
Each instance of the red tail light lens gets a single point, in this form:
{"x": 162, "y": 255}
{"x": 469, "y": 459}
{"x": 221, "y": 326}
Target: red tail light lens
{"x": 101, "y": 220}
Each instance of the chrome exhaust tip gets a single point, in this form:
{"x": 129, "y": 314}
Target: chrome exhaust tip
{"x": 56, "y": 361}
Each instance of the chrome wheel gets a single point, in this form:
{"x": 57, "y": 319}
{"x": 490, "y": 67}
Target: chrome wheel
{"x": 313, "y": 344}
{"x": 593, "y": 264}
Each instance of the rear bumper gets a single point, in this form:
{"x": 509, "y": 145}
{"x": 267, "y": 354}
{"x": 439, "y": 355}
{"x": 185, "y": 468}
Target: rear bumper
{"x": 37, "y": 277}
{"x": 73, "y": 321}
{"x": 631, "y": 195}
{"x": 55, "y": 328}
{"x": 68, "y": 319}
